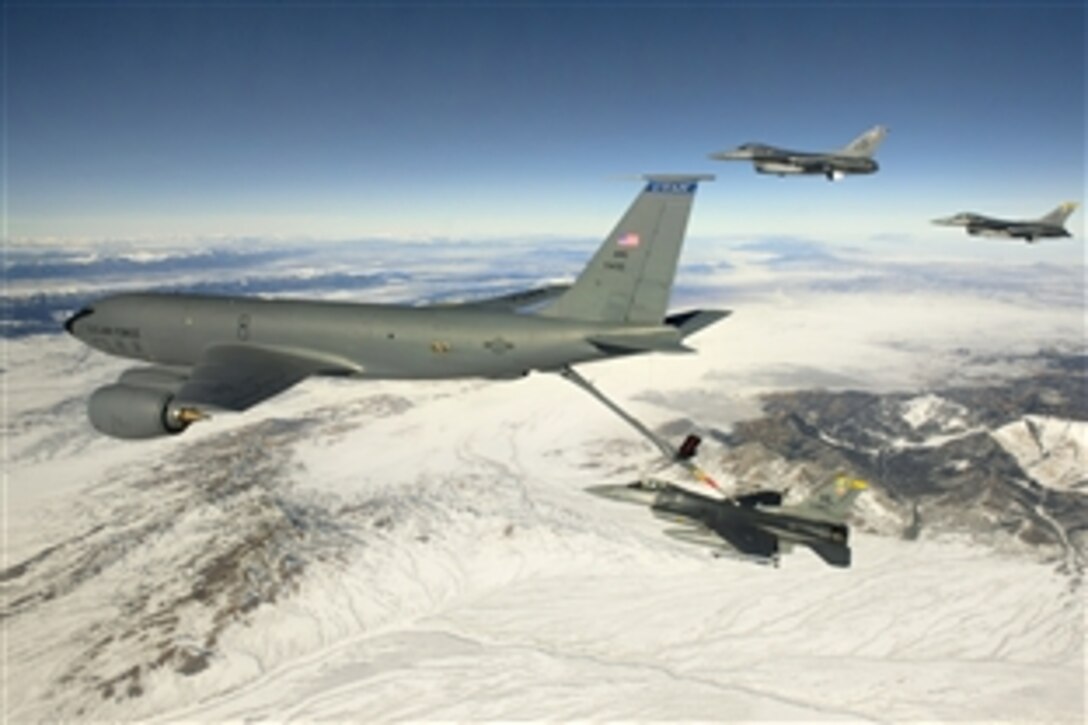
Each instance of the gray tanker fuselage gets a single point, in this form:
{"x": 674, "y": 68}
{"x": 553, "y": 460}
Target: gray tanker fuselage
{"x": 357, "y": 340}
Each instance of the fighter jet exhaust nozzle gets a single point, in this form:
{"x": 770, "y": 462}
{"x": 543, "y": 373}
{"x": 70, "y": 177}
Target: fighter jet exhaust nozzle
{"x": 132, "y": 413}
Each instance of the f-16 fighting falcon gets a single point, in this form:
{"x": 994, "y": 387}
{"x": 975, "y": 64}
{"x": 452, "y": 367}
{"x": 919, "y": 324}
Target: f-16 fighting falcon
{"x": 205, "y": 354}
{"x": 855, "y": 157}
{"x": 756, "y": 525}
{"x": 1048, "y": 225}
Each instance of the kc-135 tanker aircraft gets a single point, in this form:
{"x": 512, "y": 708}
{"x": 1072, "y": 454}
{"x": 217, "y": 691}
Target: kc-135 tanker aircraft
{"x": 855, "y": 157}
{"x": 209, "y": 354}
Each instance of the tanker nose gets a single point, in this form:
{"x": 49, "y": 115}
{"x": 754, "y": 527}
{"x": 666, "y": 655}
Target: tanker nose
{"x": 70, "y": 323}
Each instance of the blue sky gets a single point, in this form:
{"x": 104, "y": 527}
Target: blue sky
{"x": 341, "y": 121}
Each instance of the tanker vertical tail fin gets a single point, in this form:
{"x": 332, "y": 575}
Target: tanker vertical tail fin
{"x": 630, "y": 277}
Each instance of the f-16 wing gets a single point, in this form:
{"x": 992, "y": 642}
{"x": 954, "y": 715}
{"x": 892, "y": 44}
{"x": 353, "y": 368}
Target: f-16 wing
{"x": 749, "y": 540}
{"x": 701, "y": 536}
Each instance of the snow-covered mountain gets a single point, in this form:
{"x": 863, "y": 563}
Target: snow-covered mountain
{"x": 400, "y": 550}
{"x": 1054, "y": 451}
{"x": 1002, "y": 463}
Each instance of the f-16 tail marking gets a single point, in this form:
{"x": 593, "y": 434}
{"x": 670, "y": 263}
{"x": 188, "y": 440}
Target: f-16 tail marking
{"x": 833, "y": 500}
{"x": 1060, "y": 214}
{"x": 867, "y": 143}
{"x": 630, "y": 277}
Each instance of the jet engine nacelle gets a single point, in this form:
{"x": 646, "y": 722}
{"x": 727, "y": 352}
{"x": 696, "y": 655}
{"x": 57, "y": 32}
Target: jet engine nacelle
{"x": 132, "y": 412}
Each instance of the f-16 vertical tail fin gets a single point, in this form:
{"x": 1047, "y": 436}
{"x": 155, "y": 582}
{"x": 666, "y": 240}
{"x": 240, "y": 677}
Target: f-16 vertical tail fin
{"x": 866, "y": 144}
{"x": 631, "y": 276}
{"x": 833, "y": 499}
{"x": 1059, "y": 215}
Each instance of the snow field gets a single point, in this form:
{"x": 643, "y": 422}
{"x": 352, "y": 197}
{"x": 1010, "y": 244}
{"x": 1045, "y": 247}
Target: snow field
{"x": 457, "y": 569}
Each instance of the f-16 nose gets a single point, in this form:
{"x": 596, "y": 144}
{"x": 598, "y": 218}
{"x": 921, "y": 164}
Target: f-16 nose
{"x": 70, "y": 323}
{"x": 737, "y": 154}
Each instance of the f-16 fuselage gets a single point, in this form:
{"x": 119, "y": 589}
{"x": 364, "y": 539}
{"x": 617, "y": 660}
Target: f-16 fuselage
{"x": 980, "y": 225}
{"x": 854, "y": 158}
{"x": 732, "y": 513}
{"x": 782, "y": 162}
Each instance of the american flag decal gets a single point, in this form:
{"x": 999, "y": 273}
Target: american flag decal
{"x": 627, "y": 241}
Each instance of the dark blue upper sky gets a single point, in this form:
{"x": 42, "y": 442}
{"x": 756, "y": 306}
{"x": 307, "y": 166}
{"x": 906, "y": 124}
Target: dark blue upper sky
{"x": 344, "y": 121}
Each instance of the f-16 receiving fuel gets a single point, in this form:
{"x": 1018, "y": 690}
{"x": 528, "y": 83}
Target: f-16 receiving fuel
{"x": 207, "y": 354}
{"x": 756, "y": 525}
{"x": 855, "y": 157}
{"x": 1048, "y": 225}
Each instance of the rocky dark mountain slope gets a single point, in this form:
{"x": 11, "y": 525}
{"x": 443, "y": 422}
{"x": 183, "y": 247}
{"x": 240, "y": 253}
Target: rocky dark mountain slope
{"x": 933, "y": 458}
